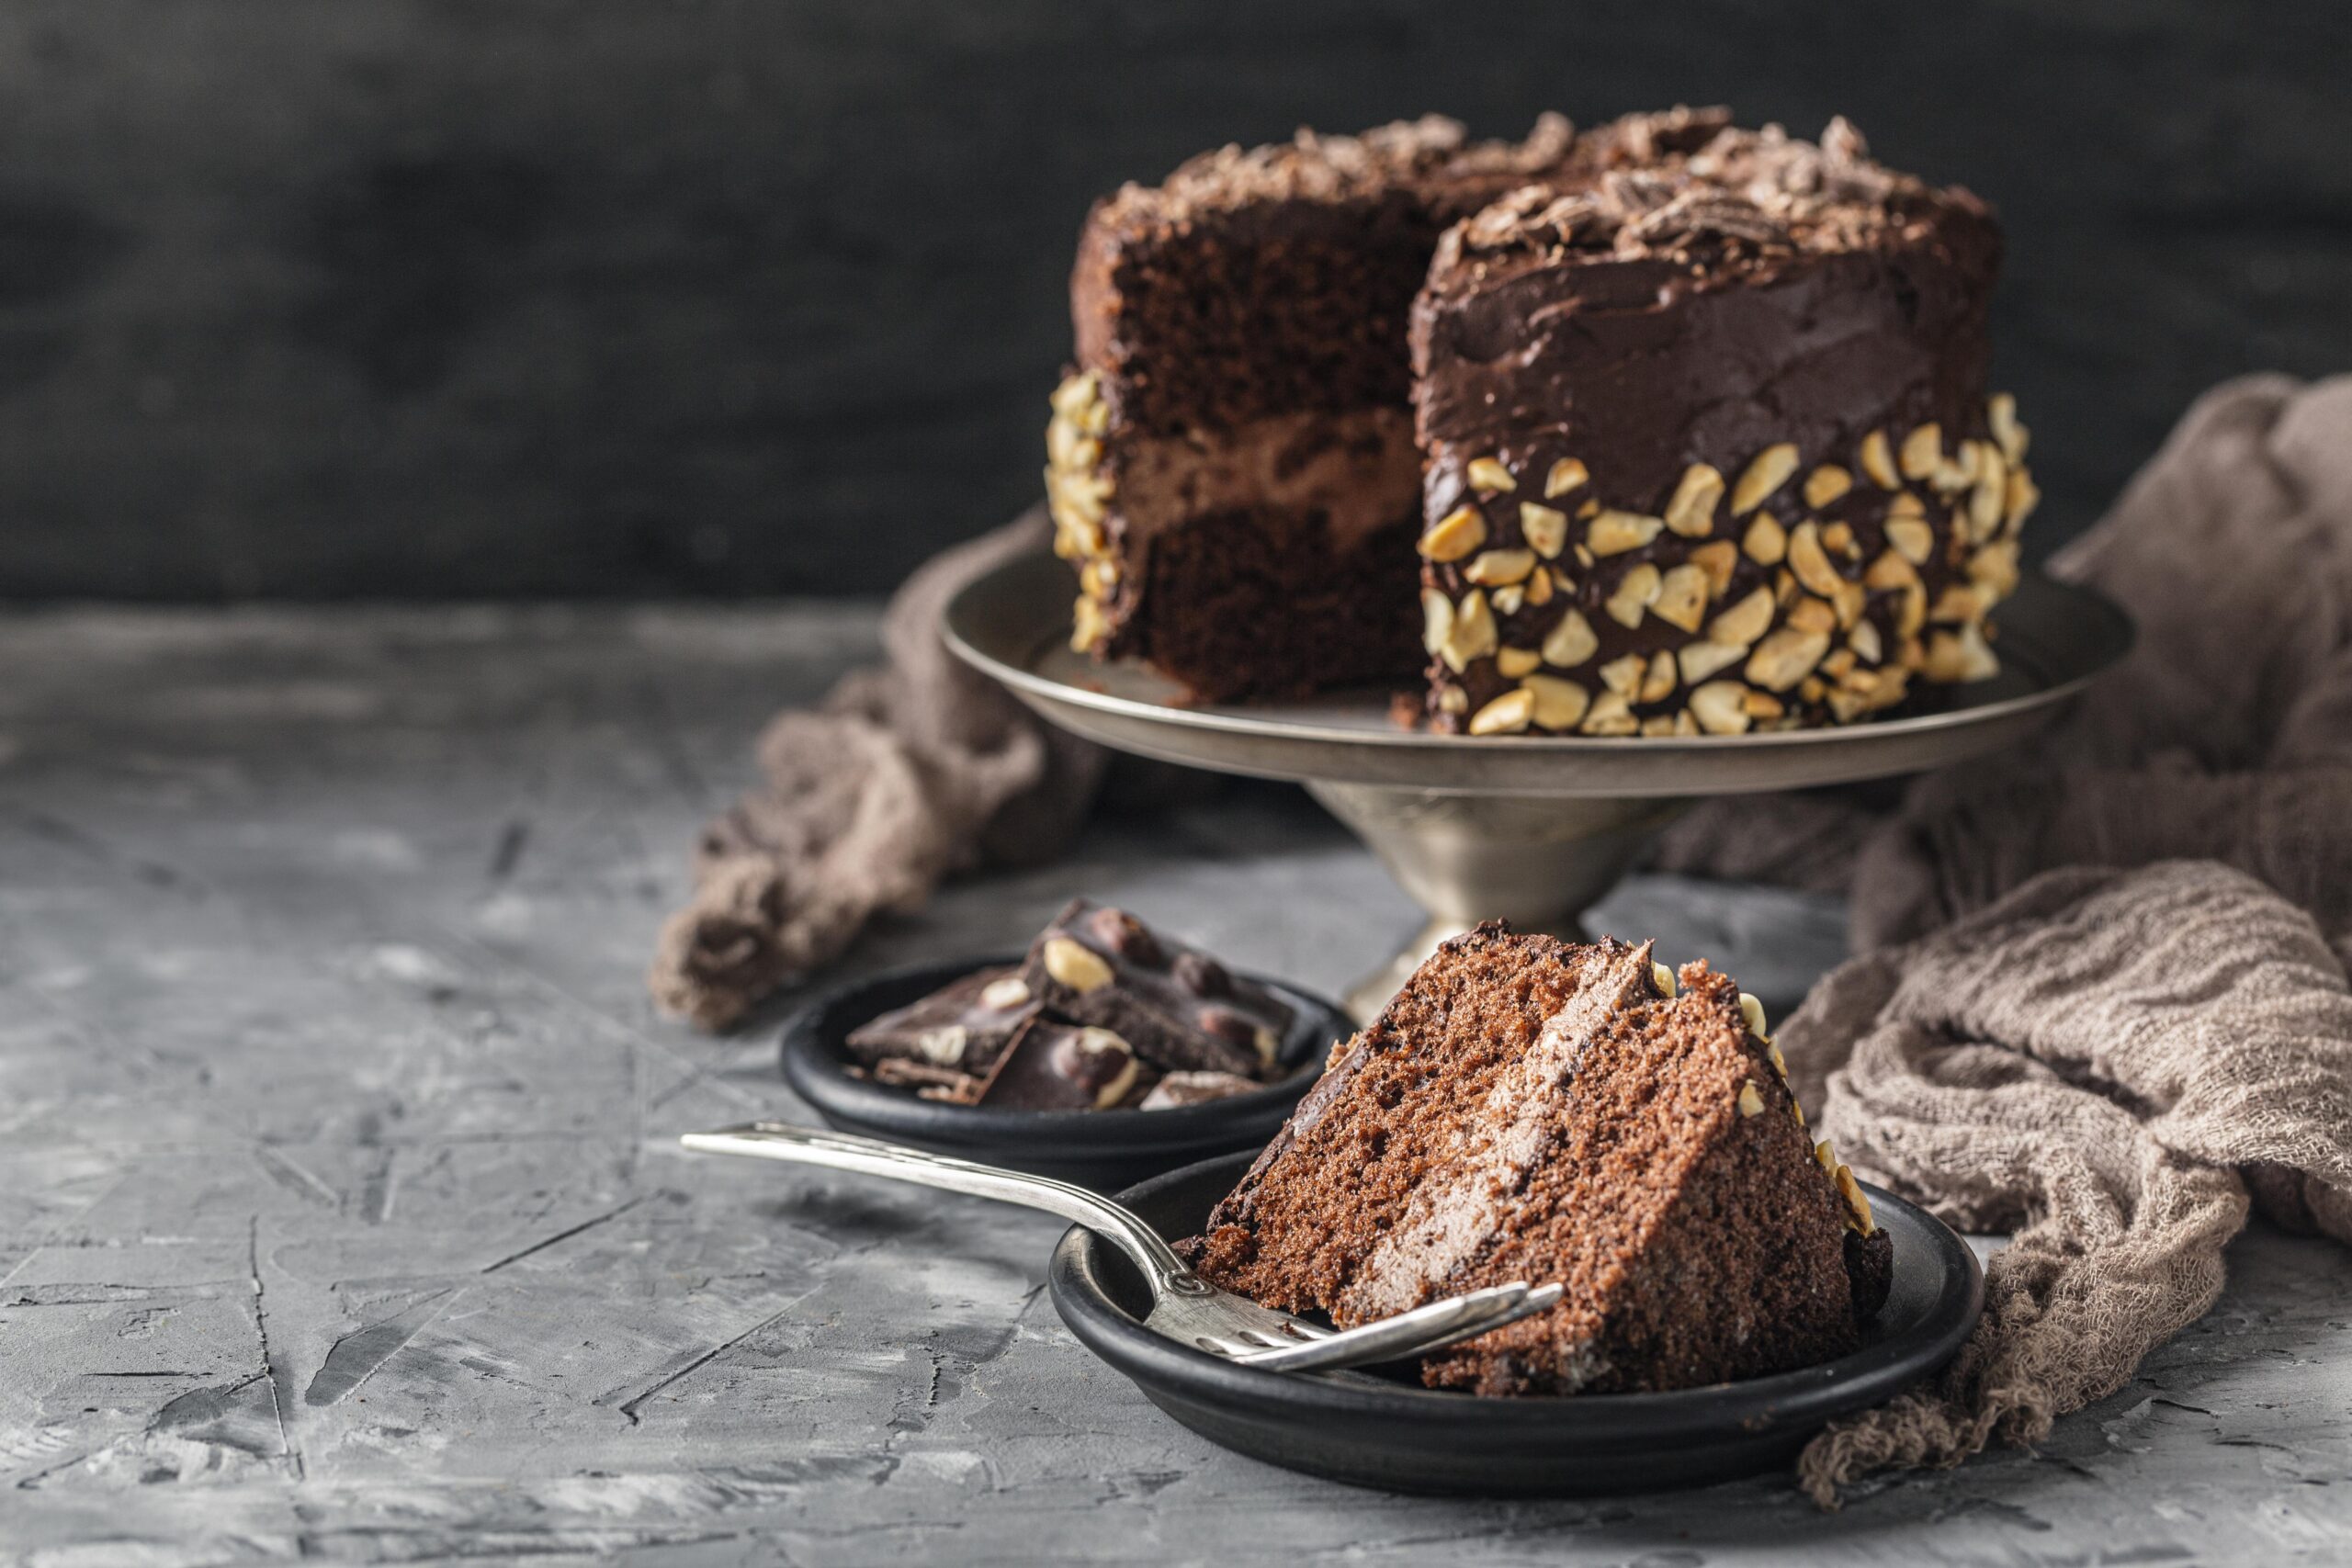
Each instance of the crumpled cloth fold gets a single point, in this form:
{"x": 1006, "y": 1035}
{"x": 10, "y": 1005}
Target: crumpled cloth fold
{"x": 910, "y": 772}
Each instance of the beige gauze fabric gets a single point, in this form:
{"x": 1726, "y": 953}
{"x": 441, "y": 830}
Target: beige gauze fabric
{"x": 2102, "y": 995}
{"x": 910, "y": 772}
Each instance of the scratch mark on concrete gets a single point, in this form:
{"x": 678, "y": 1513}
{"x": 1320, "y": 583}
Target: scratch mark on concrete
{"x": 294, "y": 1179}
{"x": 151, "y": 873}
{"x": 617, "y": 1029}
{"x": 269, "y": 1361}
{"x": 669, "y": 745}
{"x": 353, "y": 1358}
{"x": 376, "y": 1196}
{"x": 204, "y": 1407}
{"x": 630, "y": 1408}
{"x": 508, "y": 855}
{"x": 606, "y": 1216}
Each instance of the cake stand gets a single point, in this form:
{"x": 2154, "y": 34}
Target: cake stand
{"x": 1532, "y": 829}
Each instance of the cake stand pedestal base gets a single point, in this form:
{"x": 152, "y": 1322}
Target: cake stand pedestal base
{"x": 1536, "y": 861}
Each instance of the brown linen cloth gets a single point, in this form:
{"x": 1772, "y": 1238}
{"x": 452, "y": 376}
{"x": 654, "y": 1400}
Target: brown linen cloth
{"x": 2102, "y": 998}
{"x": 908, "y": 772}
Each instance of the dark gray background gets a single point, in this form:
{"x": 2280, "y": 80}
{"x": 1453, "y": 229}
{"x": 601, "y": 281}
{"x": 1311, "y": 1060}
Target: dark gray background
{"x": 417, "y": 298}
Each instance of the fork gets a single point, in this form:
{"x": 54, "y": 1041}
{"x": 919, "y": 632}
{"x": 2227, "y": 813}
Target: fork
{"x": 1184, "y": 1307}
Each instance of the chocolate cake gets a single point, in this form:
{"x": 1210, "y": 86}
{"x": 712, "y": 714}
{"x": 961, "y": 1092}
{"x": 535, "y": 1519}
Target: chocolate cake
{"x": 1231, "y": 463}
{"x": 1701, "y": 426}
{"x": 1526, "y": 1109}
{"x": 1709, "y": 446}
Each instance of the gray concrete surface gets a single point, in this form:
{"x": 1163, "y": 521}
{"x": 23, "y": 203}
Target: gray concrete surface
{"x": 342, "y": 1218}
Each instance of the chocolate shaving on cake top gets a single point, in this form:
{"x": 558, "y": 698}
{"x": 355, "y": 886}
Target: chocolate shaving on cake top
{"x": 1743, "y": 194}
{"x": 1315, "y": 167}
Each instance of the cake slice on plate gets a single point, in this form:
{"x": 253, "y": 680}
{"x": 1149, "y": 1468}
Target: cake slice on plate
{"x": 1529, "y": 1109}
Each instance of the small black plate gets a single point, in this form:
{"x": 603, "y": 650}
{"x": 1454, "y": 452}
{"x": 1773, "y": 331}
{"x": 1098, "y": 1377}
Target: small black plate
{"x": 1372, "y": 1431}
{"x": 1102, "y": 1149}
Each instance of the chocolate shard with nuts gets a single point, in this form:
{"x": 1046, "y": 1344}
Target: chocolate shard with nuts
{"x": 1529, "y": 1109}
{"x": 963, "y": 1027}
{"x": 1179, "y": 1089}
{"x": 944, "y": 1084}
{"x": 1180, "y": 1009}
{"x": 1052, "y": 1065}
{"x": 1743, "y": 379}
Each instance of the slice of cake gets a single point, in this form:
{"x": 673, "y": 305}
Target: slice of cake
{"x": 1710, "y": 447}
{"x": 1231, "y": 463}
{"x": 1526, "y": 1109}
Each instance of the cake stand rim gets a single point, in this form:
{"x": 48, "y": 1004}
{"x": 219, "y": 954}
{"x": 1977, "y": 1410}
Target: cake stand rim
{"x": 1266, "y": 745}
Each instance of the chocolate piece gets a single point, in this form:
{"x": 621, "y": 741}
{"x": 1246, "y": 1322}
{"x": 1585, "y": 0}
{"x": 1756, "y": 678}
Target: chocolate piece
{"x": 965, "y": 1026}
{"x": 1529, "y": 1109}
{"x": 945, "y": 1084}
{"x": 1709, "y": 446}
{"x": 1052, "y": 1065}
{"x": 1232, "y": 465}
{"x": 1179, "y": 1089}
{"x": 1079, "y": 972}
{"x": 1201, "y": 974}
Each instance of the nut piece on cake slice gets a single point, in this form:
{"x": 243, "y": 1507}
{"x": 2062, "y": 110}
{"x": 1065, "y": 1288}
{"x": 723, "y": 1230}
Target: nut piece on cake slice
{"x": 1746, "y": 373}
{"x": 1175, "y": 1007}
{"x": 1529, "y": 1109}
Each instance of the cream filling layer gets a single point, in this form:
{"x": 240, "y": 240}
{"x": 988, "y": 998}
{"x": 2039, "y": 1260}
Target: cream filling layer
{"x": 1361, "y": 470}
{"x": 1450, "y": 1220}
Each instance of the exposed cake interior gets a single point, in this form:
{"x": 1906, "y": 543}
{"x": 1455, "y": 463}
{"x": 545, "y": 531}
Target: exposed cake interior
{"x": 1233, "y": 463}
{"x": 1531, "y": 1109}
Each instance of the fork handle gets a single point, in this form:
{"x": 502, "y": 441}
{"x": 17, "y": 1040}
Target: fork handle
{"x": 1162, "y": 1269}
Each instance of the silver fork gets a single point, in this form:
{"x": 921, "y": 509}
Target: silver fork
{"x": 1184, "y": 1307}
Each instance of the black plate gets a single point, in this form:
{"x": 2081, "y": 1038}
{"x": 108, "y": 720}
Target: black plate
{"x": 1102, "y": 1149}
{"x": 1375, "y": 1432}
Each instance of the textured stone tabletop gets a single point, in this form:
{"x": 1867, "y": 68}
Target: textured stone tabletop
{"x": 342, "y": 1215}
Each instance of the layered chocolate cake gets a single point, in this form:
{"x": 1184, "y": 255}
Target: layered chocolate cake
{"x": 1700, "y": 425}
{"x": 1231, "y": 464}
{"x": 1526, "y": 1109}
{"x": 1709, "y": 446}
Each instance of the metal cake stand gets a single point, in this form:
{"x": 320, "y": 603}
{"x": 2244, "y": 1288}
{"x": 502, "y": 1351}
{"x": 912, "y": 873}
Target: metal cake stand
{"x": 1533, "y": 829}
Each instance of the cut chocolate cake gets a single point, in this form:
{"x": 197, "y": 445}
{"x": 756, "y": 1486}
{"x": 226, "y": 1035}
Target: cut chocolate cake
{"x": 1231, "y": 464}
{"x": 1526, "y": 1109}
{"x": 1698, "y": 418}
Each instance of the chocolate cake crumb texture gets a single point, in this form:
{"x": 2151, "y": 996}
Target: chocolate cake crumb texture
{"x": 1527, "y": 1108}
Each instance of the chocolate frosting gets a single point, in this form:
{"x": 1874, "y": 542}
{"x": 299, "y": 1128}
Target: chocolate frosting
{"x": 1698, "y": 309}
{"x": 1660, "y": 320}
